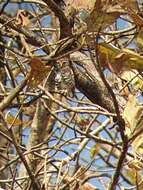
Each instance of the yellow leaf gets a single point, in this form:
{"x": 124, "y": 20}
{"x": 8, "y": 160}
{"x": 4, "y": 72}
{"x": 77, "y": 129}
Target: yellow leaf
{"x": 94, "y": 150}
{"x": 16, "y": 72}
{"x": 119, "y": 60}
{"x": 133, "y": 115}
{"x": 133, "y": 60}
{"x": 137, "y": 144}
{"x": 10, "y": 119}
{"x": 133, "y": 176}
{"x": 107, "y": 54}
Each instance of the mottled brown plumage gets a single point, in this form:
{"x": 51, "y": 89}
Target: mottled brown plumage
{"x": 64, "y": 78}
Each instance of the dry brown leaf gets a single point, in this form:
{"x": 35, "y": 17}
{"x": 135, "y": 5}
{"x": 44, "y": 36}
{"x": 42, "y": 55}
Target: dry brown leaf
{"x": 103, "y": 14}
{"x": 10, "y": 119}
{"x": 22, "y": 18}
{"x": 29, "y": 110}
{"x": 132, "y": 60}
{"x": 128, "y": 59}
{"x": 81, "y": 4}
{"x": 135, "y": 164}
{"x": 117, "y": 60}
{"x": 107, "y": 55}
{"x": 38, "y": 72}
{"x": 100, "y": 20}
{"x": 97, "y": 14}
{"x": 131, "y": 6}
{"x": 82, "y": 122}
{"x": 88, "y": 186}
{"x": 133, "y": 115}
{"x": 138, "y": 20}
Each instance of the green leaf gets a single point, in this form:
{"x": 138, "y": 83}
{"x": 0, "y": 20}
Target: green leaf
{"x": 139, "y": 39}
{"x": 94, "y": 150}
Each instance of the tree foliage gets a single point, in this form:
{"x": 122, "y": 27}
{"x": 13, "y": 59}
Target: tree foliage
{"x": 71, "y": 94}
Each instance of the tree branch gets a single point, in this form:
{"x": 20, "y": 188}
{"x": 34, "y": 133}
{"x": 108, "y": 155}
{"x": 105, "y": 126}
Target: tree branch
{"x": 95, "y": 90}
{"x": 65, "y": 28}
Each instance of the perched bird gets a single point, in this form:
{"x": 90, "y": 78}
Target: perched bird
{"x": 64, "y": 78}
